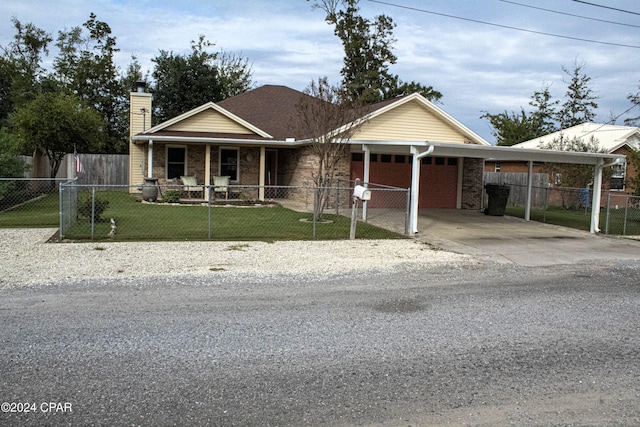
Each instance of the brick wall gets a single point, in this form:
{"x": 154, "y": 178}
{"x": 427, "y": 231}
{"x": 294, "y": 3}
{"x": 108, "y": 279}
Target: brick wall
{"x": 472, "y": 176}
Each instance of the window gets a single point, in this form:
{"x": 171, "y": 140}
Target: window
{"x": 373, "y": 157}
{"x": 385, "y": 158}
{"x": 617, "y": 177}
{"x": 356, "y": 157}
{"x": 229, "y": 163}
{"x": 176, "y": 162}
{"x": 452, "y": 161}
{"x": 427, "y": 160}
{"x": 439, "y": 160}
{"x": 400, "y": 158}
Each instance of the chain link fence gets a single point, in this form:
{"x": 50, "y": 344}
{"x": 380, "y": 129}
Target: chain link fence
{"x": 619, "y": 212}
{"x": 175, "y": 212}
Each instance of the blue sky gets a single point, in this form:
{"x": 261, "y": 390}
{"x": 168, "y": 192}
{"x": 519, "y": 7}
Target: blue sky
{"x": 477, "y": 67}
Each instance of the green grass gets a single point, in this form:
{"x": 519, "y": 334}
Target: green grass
{"x": 137, "y": 221}
{"x": 581, "y": 219}
{"x": 40, "y": 212}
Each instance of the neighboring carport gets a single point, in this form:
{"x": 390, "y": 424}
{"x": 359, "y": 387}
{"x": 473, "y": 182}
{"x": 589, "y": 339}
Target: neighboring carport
{"x": 419, "y": 150}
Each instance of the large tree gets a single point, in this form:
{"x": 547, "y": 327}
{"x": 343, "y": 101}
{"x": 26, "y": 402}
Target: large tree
{"x": 368, "y": 54}
{"x": 548, "y": 114}
{"x": 21, "y": 66}
{"x": 85, "y": 67}
{"x": 57, "y": 124}
{"x": 183, "y": 82}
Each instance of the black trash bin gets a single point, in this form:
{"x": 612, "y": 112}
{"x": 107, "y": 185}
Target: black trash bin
{"x": 498, "y": 196}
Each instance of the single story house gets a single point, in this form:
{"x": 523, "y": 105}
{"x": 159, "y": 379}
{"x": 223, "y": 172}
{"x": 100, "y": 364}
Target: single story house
{"x": 611, "y": 139}
{"x": 254, "y": 138}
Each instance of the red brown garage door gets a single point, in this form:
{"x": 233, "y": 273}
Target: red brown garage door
{"x": 438, "y": 177}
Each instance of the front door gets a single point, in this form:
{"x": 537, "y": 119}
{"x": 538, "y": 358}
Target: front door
{"x": 270, "y": 173}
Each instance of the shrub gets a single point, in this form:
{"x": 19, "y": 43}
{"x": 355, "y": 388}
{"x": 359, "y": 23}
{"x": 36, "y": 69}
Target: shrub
{"x": 85, "y": 207}
{"x": 171, "y": 196}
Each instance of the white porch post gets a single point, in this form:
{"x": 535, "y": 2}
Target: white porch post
{"x": 150, "y": 160}
{"x": 527, "y": 209}
{"x": 207, "y": 170}
{"x": 263, "y": 167}
{"x": 365, "y": 178}
{"x": 415, "y": 185}
{"x": 597, "y": 194}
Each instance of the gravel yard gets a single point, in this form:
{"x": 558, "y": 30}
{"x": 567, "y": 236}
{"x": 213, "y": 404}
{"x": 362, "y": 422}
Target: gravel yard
{"x": 28, "y": 259}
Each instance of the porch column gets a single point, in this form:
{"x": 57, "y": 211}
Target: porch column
{"x": 207, "y": 170}
{"x": 150, "y": 160}
{"x": 527, "y": 208}
{"x": 415, "y": 185}
{"x": 597, "y": 194}
{"x": 263, "y": 167}
{"x": 365, "y": 178}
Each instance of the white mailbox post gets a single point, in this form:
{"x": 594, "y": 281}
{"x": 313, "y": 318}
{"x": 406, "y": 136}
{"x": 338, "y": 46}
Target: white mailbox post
{"x": 359, "y": 193}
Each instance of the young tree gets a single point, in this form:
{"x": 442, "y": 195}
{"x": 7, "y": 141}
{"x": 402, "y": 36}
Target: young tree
{"x": 579, "y": 102}
{"x": 57, "y": 124}
{"x": 329, "y": 122}
{"x": 572, "y": 175}
{"x": 635, "y": 100}
{"x": 513, "y": 128}
{"x": 368, "y": 54}
{"x": 186, "y": 82}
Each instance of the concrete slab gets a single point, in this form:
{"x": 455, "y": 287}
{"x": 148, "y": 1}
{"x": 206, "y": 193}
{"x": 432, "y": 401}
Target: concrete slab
{"x": 513, "y": 240}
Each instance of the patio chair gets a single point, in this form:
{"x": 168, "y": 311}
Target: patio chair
{"x": 189, "y": 184}
{"x": 221, "y": 185}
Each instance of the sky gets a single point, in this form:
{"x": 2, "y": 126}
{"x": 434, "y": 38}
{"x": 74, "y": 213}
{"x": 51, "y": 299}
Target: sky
{"x": 482, "y": 55}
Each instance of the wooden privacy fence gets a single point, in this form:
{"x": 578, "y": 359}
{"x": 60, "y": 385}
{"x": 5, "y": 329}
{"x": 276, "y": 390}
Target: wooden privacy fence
{"x": 518, "y": 187}
{"x": 98, "y": 169}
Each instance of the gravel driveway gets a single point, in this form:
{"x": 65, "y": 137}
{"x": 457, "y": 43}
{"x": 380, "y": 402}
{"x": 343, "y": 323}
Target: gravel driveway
{"x": 417, "y": 337}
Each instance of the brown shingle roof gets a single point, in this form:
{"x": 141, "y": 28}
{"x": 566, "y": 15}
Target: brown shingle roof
{"x": 270, "y": 108}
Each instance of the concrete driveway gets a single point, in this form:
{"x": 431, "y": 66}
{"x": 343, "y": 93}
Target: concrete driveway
{"x": 513, "y": 240}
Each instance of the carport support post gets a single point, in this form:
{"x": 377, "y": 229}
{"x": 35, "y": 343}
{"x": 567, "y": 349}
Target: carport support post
{"x": 365, "y": 178}
{"x": 597, "y": 194}
{"x": 527, "y": 209}
{"x": 415, "y": 183}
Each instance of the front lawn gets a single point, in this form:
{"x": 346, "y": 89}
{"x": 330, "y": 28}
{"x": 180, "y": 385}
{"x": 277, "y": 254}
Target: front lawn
{"x": 137, "y": 221}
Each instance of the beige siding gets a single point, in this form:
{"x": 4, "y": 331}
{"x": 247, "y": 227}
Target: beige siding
{"x": 409, "y": 122}
{"x": 136, "y": 157}
{"x": 209, "y": 121}
{"x": 138, "y": 122}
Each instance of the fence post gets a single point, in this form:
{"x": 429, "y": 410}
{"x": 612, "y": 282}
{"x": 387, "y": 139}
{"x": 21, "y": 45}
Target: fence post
{"x": 406, "y": 213}
{"x": 626, "y": 209}
{"x": 209, "y": 207}
{"x": 338, "y": 196}
{"x": 606, "y": 227}
{"x": 93, "y": 211}
{"x": 315, "y": 210}
{"x": 546, "y": 204}
{"x": 61, "y": 201}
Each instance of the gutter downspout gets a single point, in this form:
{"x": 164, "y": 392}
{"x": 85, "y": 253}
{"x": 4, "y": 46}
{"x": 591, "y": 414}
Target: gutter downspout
{"x": 365, "y": 178}
{"x": 150, "y": 166}
{"x": 415, "y": 184}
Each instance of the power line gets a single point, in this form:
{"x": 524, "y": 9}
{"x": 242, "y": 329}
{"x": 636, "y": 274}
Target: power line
{"x": 606, "y": 7}
{"x": 504, "y": 26}
{"x": 570, "y": 14}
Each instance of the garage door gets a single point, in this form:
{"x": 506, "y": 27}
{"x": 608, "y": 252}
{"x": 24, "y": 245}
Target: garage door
{"x": 438, "y": 177}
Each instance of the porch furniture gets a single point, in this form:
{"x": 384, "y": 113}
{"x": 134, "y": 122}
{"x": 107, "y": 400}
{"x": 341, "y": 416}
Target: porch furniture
{"x": 221, "y": 185}
{"x": 189, "y": 184}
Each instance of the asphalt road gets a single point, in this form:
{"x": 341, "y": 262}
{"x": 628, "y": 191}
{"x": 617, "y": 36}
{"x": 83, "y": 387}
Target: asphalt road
{"x": 489, "y": 345}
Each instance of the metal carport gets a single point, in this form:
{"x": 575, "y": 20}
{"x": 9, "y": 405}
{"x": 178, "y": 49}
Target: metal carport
{"x": 430, "y": 148}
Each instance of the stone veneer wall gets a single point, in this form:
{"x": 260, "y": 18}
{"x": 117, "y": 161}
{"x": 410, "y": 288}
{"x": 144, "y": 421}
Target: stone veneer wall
{"x": 472, "y": 181}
